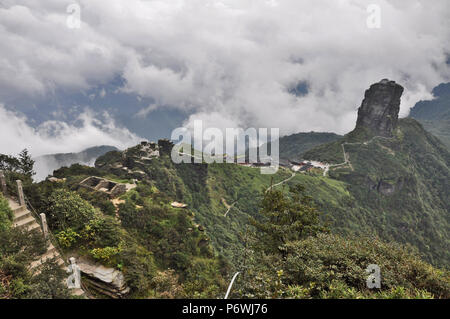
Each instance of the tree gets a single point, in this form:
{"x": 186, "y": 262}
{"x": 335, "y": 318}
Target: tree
{"x": 26, "y": 163}
{"x": 286, "y": 217}
{"x": 9, "y": 163}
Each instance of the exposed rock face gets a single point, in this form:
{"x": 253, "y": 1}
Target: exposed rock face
{"x": 105, "y": 280}
{"x": 384, "y": 187}
{"x": 379, "y": 109}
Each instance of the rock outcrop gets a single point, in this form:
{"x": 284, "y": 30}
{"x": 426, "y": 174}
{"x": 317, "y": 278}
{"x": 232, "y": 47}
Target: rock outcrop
{"x": 104, "y": 280}
{"x": 379, "y": 110}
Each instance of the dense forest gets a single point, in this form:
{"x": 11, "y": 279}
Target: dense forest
{"x": 285, "y": 241}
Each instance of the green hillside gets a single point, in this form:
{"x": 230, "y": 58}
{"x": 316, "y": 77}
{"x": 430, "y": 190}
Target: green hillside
{"x": 399, "y": 187}
{"x": 434, "y": 115}
{"x": 293, "y": 146}
{"x": 394, "y": 188}
{"x": 206, "y": 242}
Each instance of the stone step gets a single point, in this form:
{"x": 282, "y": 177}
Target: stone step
{"x": 51, "y": 253}
{"x": 19, "y": 209}
{"x": 21, "y": 215}
{"x": 35, "y": 267}
{"x": 25, "y": 222}
{"x": 13, "y": 204}
{"x": 24, "y": 218}
{"x": 34, "y": 226}
{"x": 51, "y": 249}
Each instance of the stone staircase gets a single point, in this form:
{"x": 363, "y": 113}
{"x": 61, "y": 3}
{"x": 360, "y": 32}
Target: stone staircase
{"x": 23, "y": 218}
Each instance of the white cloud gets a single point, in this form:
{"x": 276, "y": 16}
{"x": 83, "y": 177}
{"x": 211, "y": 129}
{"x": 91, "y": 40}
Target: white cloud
{"x": 230, "y": 59}
{"x": 59, "y": 137}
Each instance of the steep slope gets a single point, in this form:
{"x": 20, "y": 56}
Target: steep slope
{"x": 395, "y": 186}
{"x": 434, "y": 115}
{"x": 399, "y": 185}
{"x": 293, "y": 146}
{"x": 207, "y": 189}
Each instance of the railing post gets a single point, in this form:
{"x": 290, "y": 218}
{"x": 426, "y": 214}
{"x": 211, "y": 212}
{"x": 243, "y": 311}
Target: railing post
{"x": 3, "y": 183}
{"x": 20, "y": 193}
{"x": 44, "y": 225}
{"x": 74, "y": 280}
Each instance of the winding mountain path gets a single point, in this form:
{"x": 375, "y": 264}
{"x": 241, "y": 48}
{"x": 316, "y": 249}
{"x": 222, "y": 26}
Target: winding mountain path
{"x": 346, "y": 156}
{"x": 282, "y": 182}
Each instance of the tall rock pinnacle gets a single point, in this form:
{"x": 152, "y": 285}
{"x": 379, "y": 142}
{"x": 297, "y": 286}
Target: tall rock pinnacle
{"x": 379, "y": 110}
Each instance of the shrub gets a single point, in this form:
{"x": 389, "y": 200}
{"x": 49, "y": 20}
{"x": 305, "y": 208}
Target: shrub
{"x": 105, "y": 254}
{"x": 6, "y": 215}
{"x": 67, "y": 237}
{"x": 337, "y": 266}
{"x": 68, "y": 209}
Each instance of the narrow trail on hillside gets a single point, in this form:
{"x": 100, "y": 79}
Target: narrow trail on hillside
{"x": 282, "y": 182}
{"x": 347, "y": 157}
{"x": 229, "y": 207}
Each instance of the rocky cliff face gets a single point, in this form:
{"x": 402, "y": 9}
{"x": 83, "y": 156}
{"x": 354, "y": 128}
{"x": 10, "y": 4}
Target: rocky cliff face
{"x": 379, "y": 110}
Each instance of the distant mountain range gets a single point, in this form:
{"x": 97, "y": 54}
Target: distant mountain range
{"x": 396, "y": 173}
{"x": 46, "y": 164}
{"x": 387, "y": 179}
{"x": 434, "y": 115}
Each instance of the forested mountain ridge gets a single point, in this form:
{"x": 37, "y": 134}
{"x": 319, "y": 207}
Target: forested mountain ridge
{"x": 182, "y": 230}
{"x": 434, "y": 115}
{"x": 401, "y": 182}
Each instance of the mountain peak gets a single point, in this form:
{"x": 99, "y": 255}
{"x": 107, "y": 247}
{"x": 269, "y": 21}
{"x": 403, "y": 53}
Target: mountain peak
{"x": 379, "y": 110}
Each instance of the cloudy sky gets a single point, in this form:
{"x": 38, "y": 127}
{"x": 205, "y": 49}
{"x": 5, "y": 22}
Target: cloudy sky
{"x": 231, "y": 63}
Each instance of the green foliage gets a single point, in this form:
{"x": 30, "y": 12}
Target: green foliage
{"x": 22, "y": 164}
{"x": 294, "y": 146}
{"x": 77, "y": 222}
{"x": 175, "y": 243}
{"x": 26, "y": 163}
{"x": 138, "y": 266}
{"x": 286, "y": 218}
{"x": 106, "y": 254}
{"x": 110, "y": 157}
{"x": 102, "y": 231}
{"x": 397, "y": 189}
{"x": 68, "y": 209}
{"x": 156, "y": 237}
{"x": 6, "y": 214}
{"x": 18, "y": 248}
{"x": 77, "y": 170}
{"x": 434, "y": 114}
{"x": 316, "y": 264}
{"x": 67, "y": 237}
{"x": 331, "y": 266}
{"x": 336, "y": 267}
{"x": 9, "y": 163}
{"x": 49, "y": 283}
